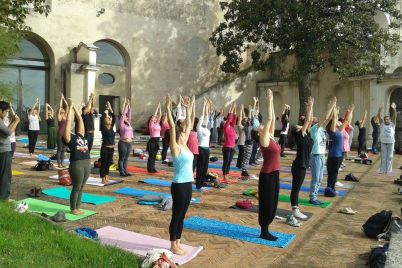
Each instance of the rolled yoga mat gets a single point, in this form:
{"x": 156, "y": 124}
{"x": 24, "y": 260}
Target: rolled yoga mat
{"x": 286, "y": 199}
{"x": 63, "y": 193}
{"x": 92, "y": 181}
{"x": 235, "y": 231}
{"x": 279, "y": 212}
{"x": 140, "y": 244}
{"x": 140, "y": 193}
{"x": 163, "y": 183}
{"x": 50, "y": 209}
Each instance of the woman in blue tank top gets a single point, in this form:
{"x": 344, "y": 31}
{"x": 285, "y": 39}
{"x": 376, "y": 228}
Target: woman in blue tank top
{"x": 181, "y": 188}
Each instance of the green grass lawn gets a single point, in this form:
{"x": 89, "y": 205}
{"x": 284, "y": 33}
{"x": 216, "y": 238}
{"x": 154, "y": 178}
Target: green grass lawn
{"x": 29, "y": 241}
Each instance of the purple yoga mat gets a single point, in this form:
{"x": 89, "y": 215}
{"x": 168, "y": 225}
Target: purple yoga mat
{"x": 21, "y": 155}
{"x": 140, "y": 244}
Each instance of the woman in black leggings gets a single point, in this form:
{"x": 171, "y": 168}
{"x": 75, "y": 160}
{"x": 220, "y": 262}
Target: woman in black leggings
{"x": 34, "y": 126}
{"x": 230, "y": 142}
{"x": 107, "y": 150}
{"x": 302, "y": 160}
{"x": 362, "y": 134}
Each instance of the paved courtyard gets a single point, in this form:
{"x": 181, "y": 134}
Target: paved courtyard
{"x": 328, "y": 239}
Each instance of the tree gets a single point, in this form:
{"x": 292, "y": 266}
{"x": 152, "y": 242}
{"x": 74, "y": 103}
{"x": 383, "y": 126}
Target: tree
{"x": 310, "y": 35}
{"x": 12, "y": 27}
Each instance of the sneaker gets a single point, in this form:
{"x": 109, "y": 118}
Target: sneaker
{"x": 339, "y": 184}
{"x": 316, "y": 202}
{"x": 296, "y": 213}
{"x": 340, "y": 169}
{"x": 291, "y": 220}
{"x": 244, "y": 173}
{"x": 260, "y": 159}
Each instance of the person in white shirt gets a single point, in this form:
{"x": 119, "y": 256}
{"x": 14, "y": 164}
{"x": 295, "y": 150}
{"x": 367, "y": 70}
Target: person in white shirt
{"x": 387, "y": 138}
{"x": 33, "y": 129}
{"x": 203, "y": 135}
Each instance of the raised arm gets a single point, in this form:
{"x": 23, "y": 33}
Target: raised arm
{"x": 59, "y": 117}
{"x": 265, "y": 134}
{"x": 334, "y": 119}
{"x": 392, "y": 113}
{"x": 173, "y": 144}
{"x": 364, "y": 120}
{"x": 89, "y": 104}
{"x": 329, "y": 112}
{"x": 46, "y": 111}
{"x": 67, "y": 132}
{"x": 348, "y": 117}
{"x": 379, "y": 114}
{"x": 240, "y": 115}
{"x": 309, "y": 116}
{"x": 272, "y": 127}
{"x": 192, "y": 112}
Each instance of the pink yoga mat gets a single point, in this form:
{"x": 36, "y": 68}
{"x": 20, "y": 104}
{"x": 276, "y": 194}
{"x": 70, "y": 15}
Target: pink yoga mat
{"x": 140, "y": 244}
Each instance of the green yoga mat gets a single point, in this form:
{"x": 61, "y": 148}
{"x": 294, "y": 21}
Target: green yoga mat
{"x": 286, "y": 198}
{"x": 50, "y": 209}
{"x": 64, "y": 193}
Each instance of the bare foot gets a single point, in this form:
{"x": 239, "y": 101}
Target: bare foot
{"x": 105, "y": 180}
{"x": 77, "y": 212}
{"x": 176, "y": 250}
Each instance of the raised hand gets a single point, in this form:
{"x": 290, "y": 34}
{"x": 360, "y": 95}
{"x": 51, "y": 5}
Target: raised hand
{"x": 393, "y": 105}
{"x": 269, "y": 95}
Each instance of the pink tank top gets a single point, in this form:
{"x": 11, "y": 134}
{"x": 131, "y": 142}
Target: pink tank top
{"x": 192, "y": 142}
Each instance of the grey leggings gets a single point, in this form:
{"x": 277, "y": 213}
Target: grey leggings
{"x": 61, "y": 148}
{"x": 124, "y": 152}
{"x": 79, "y": 173}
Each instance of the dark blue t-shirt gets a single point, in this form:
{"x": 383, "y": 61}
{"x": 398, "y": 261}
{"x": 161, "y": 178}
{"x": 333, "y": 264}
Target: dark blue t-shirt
{"x": 337, "y": 144}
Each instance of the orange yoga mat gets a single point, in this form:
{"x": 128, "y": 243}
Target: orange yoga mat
{"x": 143, "y": 170}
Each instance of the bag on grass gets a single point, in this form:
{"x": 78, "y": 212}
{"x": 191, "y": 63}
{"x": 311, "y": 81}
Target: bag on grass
{"x": 158, "y": 258}
{"x": 378, "y": 224}
{"x": 43, "y": 165}
{"x": 244, "y": 204}
{"x": 64, "y": 177}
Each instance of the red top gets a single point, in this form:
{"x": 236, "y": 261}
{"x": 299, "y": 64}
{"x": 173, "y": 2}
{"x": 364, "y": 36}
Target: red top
{"x": 165, "y": 126}
{"x": 271, "y": 155}
{"x": 192, "y": 142}
{"x": 229, "y": 131}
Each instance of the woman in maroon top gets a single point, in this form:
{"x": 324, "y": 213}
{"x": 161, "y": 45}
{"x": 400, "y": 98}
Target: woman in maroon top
{"x": 268, "y": 184}
{"x": 230, "y": 142}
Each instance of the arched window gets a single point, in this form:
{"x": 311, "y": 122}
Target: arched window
{"x": 26, "y": 77}
{"x": 109, "y": 54}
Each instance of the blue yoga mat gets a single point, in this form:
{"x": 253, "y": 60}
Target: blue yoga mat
{"x": 285, "y": 186}
{"x": 139, "y": 193}
{"x": 163, "y": 183}
{"x": 23, "y": 140}
{"x": 149, "y": 203}
{"x": 236, "y": 231}
{"x": 220, "y": 167}
{"x": 64, "y": 193}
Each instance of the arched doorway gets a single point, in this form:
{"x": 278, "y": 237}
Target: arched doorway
{"x": 396, "y": 96}
{"x": 26, "y": 76}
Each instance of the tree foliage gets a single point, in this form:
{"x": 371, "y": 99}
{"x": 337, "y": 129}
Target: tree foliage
{"x": 314, "y": 33}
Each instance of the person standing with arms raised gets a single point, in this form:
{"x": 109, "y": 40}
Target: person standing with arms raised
{"x": 88, "y": 118}
{"x": 181, "y": 188}
{"x": 387, "y": 138}
{"x": 126, "y": 136}
{"x": 33, "y": 127}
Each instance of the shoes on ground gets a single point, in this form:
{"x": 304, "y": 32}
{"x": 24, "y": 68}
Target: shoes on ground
{"x": 292, "y": 221}
{"x": 348, "y": 211}
{"x": 316, "y": 202}
{"x": 339, "y": 184}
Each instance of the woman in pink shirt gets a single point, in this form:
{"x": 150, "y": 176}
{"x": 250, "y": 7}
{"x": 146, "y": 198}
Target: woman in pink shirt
{"x": 153, "y": 144}
{"x": 126, "y": 136}
{"x": 230, "y": 142}
{"x": 165, "y": 133}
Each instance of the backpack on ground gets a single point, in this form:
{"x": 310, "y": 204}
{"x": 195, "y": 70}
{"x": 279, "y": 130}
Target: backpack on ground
{"x": 43, "y": 165}
{"x": 378, "y": 224}
{"x": 351, "y": 177}
{"x": 378, "y": 257}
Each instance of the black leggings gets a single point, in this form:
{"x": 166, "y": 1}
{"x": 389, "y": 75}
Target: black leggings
{"x": 362, "y": 145}
{"x": 90, "y": 139}
{"x": 32, "y": 138}
{"x": 254, "y": 152}
{"x": 268, "y": 193}
{"x": 195, "y": 161}
{"x": 375, "y": 144}
{"x": 227, "y": 159}
{"x": 165, "y": 144}
{"x": 240, "y": 156}
{"x": 202, "y": 166}
{"x": 298, "y": 175}
{"x": 181, "y": 195}
{"x": 106, "y": 160}
{"x": 333, "y": 165}
{"x": 61, "y": 148}
{"x": 283, "y": 140}
{"x": 152, "y": 148}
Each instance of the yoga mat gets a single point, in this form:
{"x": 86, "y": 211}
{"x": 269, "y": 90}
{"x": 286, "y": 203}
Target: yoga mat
{"x": 92, "y": 181}
{"x": 44, "y": 148}
{"x": 50, "y": 209}
{"x": 140, "y": 244}
{"x": 219, "y": 172}
{"x": 279, "y": 212}
{"x": 235, "y": 231}
{"x": 214, "y": 166}
{"x": 286, "y": 199}
{"x": 64, "y": 193}
{"x": 23, "y": 140}
{"x": 289, "y": 170}
{"x": 139, "y": 170}
{"x": 139, "y": 193}
{"x": 17, "y": 173}
{"x": 345, "y": 185}
{"x": 29, "y": 163}
{"x": 163, "y": 183}
{"x": 285, "y": 186}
